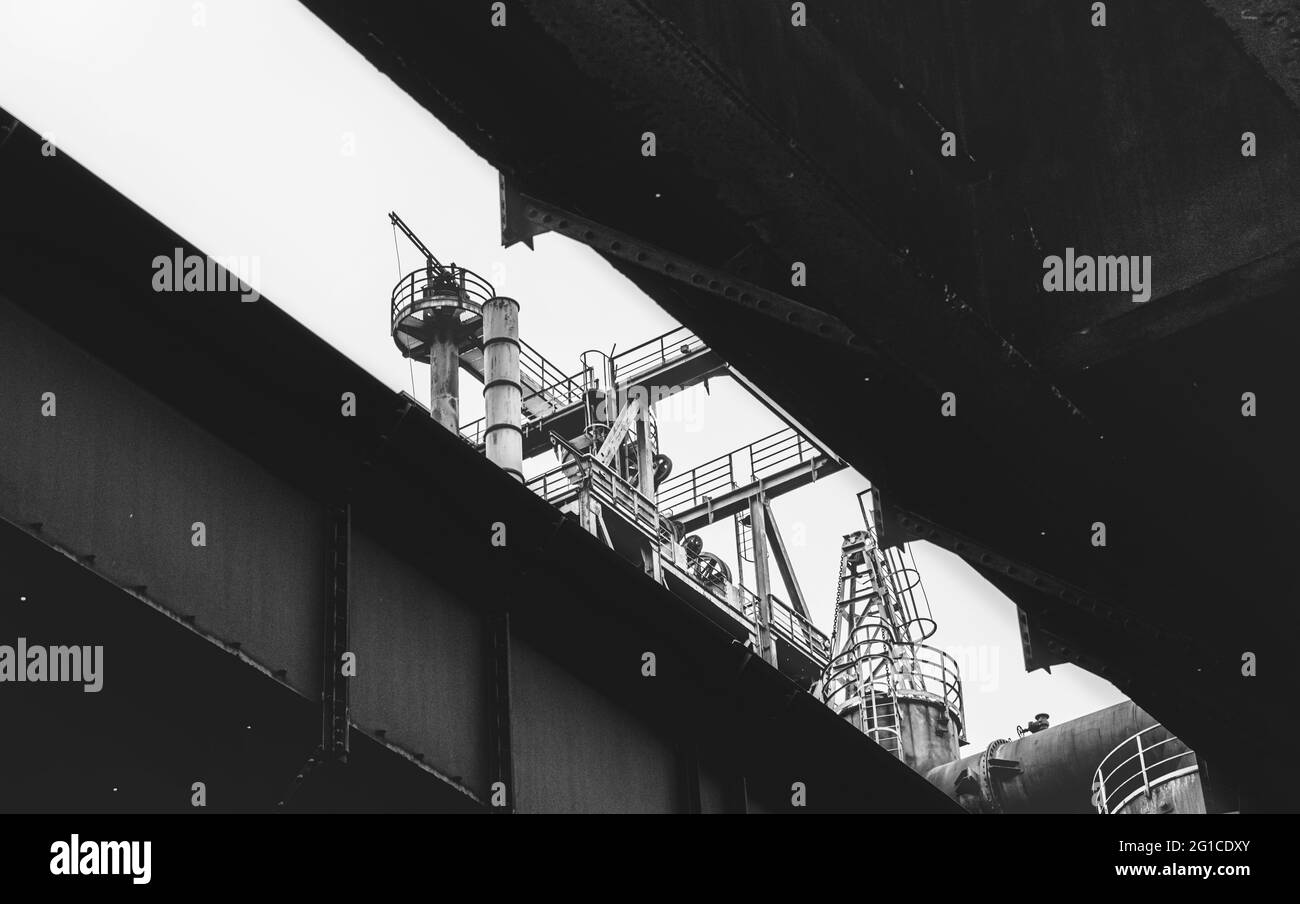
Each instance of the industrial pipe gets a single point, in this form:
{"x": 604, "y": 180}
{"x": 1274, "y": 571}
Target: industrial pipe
{"x": 1049, "y": 771}
{"x": 444, "y": 368}
{"x": 503, "y": 435}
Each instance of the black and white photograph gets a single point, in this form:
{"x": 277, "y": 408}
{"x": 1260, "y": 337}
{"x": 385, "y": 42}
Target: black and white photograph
{"x": 433, "y": 408}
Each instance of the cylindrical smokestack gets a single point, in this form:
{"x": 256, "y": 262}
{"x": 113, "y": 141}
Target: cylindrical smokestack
{"x": 444, "y": 370}
{"x": 503, "y": 435}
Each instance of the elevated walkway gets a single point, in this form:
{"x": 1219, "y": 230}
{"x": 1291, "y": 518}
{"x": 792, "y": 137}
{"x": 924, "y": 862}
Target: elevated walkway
{"x": 553, "y": 402}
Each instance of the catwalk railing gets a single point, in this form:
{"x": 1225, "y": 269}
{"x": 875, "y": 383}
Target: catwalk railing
{"x": 657, "y": 354}
{"x": 578, "y": 471}
{"x": 762, "y": 458}
{"x": 547, "y": 391}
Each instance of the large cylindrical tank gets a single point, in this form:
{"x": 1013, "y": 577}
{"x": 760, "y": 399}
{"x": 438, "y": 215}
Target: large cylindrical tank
{"x": 1050, "y": 771}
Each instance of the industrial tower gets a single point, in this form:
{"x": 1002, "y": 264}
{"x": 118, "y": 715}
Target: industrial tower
{"x": 882, "y": 677}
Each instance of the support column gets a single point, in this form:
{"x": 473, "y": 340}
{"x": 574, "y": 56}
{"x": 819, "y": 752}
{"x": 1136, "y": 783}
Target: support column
{"x": 758, "y": 528}
{"x": 645, "y": 456}
{"x": 444, "y": 369}
{"x": 588, "y": 511}
{"x": 784, "y": 565}
{"x": 334, "y": 686}
{"x": 503, "y": 769}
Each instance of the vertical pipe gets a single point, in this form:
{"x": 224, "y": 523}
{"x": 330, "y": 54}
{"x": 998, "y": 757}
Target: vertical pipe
{"x": 646, "y": 484}
{"x": 645, "y": 454}
{"x": 503, "y": 435}
{"x": 758, "y": 529}
{"x": 444, "y": 370}
{"x": 595, "y": 369}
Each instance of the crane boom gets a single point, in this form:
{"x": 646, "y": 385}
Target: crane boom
{"x": 415, "y": 240}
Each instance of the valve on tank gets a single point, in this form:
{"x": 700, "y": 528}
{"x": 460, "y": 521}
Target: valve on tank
{"x": 1038, "y": 723}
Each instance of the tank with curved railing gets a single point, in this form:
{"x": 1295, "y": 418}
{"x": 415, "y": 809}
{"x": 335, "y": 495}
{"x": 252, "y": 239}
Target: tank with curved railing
{"x": 858, "y": 682}
{"x": 446, "y": 288}
{"x": 1138, "y": 765}
{"x": 874, "y": 662}
{"x": 924, "y": 672}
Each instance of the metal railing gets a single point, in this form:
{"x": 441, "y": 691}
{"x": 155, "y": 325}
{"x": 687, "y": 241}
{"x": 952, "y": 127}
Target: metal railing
{"x": 448, "y": 286}
{"x": 636, "y": 362}
{"x": 613, "y": 490}
{"x": 1137, "y": 765}
{"x": 873, "y": 661}
{"x": 858, "y": 683}
{"x": 779, "y": 451}
{"x": 692, "y": 487}
{"x": 560, "y": 485}
{"x": 558, "y": 389}
{"x": 799, "y": 631}
{"x": 474, "y": 432}
{"x": 550, "y": 387}
{"x": 920, "y": 669}
{"x": 578, "y": 470}
{"x": 863, "y": 662}
{"x": 760, "y": 459}
{"x": 886, "y": 581}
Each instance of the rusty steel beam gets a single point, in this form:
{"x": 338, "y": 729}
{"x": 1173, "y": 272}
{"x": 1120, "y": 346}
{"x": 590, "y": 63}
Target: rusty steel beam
{"x": 1076, "y": 597}
{"x": 1165, "y": 317}
{"x": 524, "y": 216}
{"x": 784, "y": 565}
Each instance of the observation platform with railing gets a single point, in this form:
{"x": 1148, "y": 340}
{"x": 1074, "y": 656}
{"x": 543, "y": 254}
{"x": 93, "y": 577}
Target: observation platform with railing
{"x": 434, "y": 289}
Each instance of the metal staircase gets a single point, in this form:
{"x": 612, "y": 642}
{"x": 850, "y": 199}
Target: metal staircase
{"x": 546, "y": 390}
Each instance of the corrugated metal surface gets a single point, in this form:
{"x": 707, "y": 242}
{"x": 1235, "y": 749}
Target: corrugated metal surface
{"x": 422, "y": 674}
{"x": 576, "y": 751}
{"x": 119, "y": 475}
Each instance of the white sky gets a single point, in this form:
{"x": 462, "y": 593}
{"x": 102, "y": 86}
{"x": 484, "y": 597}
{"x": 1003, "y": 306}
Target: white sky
{"x": 229, "y": 120}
